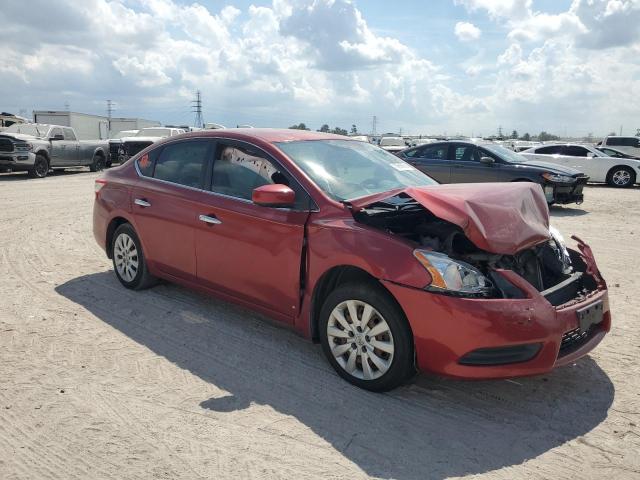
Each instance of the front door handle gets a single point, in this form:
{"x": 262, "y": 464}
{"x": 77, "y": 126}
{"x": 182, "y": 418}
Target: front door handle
{"x": 142, "y": 202}
{"x": 210, "y": 220}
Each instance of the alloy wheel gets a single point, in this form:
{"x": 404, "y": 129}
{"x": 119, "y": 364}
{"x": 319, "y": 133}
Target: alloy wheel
{"x": 360, "y": 340}
{"x": 126, "y": 258}
{"x": 621, "y": 177}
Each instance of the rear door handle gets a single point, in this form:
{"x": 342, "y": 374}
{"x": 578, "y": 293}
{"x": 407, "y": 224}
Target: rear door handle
{"x": 142, "y": 202}
{"x": 210, "y": 220}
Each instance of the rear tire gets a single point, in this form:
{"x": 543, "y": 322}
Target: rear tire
{"x": 129, "y": 263}
{"x": 379, "y": 335}
{"x": 98, "y": 163}
{"x": 621, "y": 177}
{"x": 40, "y": 167}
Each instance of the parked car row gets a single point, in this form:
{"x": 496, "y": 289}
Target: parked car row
{"x": 362, "y": 252}
{"x": 38, "y": 148}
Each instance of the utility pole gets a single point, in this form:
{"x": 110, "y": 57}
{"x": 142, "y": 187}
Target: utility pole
{"x": 374, "y": 126}
{"x": 620, "y": 130}
{"x": 499, "y": 131}
{"x": 67, "y": 106}
{"x": 197, "y": 109}
{"x": 110, "y": 110}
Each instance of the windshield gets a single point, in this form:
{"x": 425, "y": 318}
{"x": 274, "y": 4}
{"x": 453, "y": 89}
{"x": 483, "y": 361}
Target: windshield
{"x": 346, "y": 169}
{"x": 392, "y": 142}
{"x": 154, "y": 132}
{"x": 27, "y": 129}
{"x": 504, "y": 153}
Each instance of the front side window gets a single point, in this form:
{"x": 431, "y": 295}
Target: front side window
{"x": 69, "y": 135}
{"x": 55, "y": 131}
{"x": 184, "y": 163}
{"x": 346, "y": 169}
{"x": 239, "y": 169}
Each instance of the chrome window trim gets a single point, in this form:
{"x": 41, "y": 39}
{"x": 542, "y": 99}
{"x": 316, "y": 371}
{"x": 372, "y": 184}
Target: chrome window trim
{"x": 210, "y": 192}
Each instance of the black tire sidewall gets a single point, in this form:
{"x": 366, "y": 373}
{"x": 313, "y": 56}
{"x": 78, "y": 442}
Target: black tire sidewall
{"x": 39, "y": 160}
{"x": 98, "y": 164}
{"x": 138, "y": 279}
{"x": 403, "y": 359}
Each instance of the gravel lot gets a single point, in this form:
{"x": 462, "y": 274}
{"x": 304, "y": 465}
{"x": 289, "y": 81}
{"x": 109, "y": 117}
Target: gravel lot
{"x": 100, "y": 382}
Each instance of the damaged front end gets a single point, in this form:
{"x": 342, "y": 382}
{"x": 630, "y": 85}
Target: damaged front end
{"x": 511, "y": 227}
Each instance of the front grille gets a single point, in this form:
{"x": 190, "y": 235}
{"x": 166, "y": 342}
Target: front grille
{"x": 113, "y": 150}
{"x": 6, "y": 145}
{"x": 133, "y": 148}
{"x": 572, "y": 340}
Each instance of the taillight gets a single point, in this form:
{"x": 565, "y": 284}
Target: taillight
{"x": 99, "y": 184}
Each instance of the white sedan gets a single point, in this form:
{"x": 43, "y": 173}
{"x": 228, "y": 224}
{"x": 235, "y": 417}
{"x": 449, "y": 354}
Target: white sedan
{"x": 617, "y": 172}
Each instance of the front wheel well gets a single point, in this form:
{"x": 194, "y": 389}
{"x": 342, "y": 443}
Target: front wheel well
{"x": 332, "y": 279}
{"x": 113, "y": 225}
{"x": 44, "y": 153}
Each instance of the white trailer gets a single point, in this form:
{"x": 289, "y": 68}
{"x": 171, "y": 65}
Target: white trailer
{"x": 118, "y": 124}
{"x": 87, "y": 127}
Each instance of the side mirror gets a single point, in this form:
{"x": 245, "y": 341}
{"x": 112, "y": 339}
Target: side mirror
{"x": 591, "y": 155}
{"x": 57, "y": 136}
{"x": 276, "y": 195}
{"x": 487, "y": 160}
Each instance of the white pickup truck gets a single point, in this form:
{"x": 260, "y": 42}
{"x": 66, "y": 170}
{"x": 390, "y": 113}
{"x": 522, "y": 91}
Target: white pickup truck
{"x": 37, "y": 148}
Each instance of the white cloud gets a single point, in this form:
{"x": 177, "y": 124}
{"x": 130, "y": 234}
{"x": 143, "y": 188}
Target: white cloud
{"x": 467, "y": 32}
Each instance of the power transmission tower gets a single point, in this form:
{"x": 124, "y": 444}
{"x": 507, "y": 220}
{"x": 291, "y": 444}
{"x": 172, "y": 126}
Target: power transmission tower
{"x": 67, "y": 106}
{"x": 197, "y": 109}
{"x": 110, "y": 109}
{"x": 500, "y": 131}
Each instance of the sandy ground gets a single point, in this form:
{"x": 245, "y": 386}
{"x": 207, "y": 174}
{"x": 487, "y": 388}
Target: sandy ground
{"x": 100, "y": 382}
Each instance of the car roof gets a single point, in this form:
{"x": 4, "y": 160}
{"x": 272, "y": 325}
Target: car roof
{"x": 269, "y": 135}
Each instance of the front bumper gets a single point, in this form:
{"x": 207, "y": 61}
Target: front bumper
{"x": 563, "y": 193}
{"x": 447, "y": 329}
{"x": 17, "y": 161}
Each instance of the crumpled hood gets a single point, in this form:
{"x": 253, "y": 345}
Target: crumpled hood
{"x": 502, "y": 218}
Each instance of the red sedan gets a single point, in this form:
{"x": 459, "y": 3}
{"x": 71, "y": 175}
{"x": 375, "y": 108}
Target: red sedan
{"x": 358, "y": 250}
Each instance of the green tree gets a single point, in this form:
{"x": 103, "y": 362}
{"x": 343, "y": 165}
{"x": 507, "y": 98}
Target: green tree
{"x": 300, "y": 126}
{"x": 545, "y": 137}
{"x": 514, "y": 134}
{"x": 354, "y": 130}
{"x": 526, "y": 137}
{"x": 339, "y": 131}
{"x": 324, "y": 128}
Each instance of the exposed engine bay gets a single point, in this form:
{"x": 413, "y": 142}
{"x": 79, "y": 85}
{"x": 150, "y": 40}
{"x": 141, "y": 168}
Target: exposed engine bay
{"x": 554, "y": 270}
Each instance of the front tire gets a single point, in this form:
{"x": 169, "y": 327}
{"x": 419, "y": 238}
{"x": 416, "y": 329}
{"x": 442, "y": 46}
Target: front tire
{"x": 366, "y": 337}
{"x": 621, "y": 177}
{"x": 40, "y": 167}
{"x": 129, "y": 262}
{"x": 98, "y": 163}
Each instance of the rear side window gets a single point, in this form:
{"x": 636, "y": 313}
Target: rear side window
{"x": 466, "y": 153}
{"x": 574, "y": 151}
{"x": 438, "y": 152}
{"x": 552, "y": 150}
{"x": 184, "y": 163}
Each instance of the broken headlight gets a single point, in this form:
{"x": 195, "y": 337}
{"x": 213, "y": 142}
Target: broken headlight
{"x": 561, "y": 249}
{"x": 452, "y": 276}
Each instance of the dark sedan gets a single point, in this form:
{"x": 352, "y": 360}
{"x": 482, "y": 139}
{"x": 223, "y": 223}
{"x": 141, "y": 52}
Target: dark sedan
{"x": 467, "y": 162}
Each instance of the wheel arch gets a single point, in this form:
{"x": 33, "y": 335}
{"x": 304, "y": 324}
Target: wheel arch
{"x": 626, "y": 167}
{"x": 333, "y": 278}
{"x": 111, "y": 228}
{"x": 45, "y": 154}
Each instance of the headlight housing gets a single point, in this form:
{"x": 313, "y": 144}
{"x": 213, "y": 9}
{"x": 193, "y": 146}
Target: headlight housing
{"x": 453, "y": 276}
{"x": 555, "y": 178}
{"x": 23, "y": 147}
{"x": 561, "y": 249}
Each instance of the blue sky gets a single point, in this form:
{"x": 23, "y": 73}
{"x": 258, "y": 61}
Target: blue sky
{"x": 454, "y": 66}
